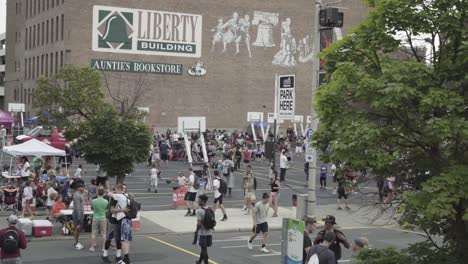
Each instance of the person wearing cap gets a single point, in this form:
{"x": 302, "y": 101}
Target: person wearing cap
{"x": 309, "y": 228}
{"x": 12, "y": 255}
{"x": 260, "y": 224}
{"x": 330, "y": 223}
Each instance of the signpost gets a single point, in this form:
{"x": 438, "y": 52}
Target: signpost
{"x": 309, "y": 151}
{"x": 293, "y": 241}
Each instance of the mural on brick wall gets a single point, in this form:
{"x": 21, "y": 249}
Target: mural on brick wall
{"x": 265, "y": 23}
{"x": 235, "y": 31}
{"x": 286, "y": 55}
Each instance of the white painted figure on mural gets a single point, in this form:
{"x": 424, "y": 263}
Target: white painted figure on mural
{"x": 197, "y": 70}
{"x": 305, "y": 48}
{"x": 235, "y": 31}
{"x": 265, "y": 22}
{"x": 285, "y": 56}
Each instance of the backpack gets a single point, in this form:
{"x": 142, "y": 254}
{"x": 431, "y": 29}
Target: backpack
{"x": 133, "y": 207}
{"x": 209, "y": 221}
{"x": 112, "y": 203}
{"x": 222, "y": 186}
{"x": 314, "y": 259}
{"x": 10, "y": 241}
{"x": 226, "y": 170}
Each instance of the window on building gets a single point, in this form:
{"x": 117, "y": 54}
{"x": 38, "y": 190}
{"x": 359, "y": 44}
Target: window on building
{"x": 58, "y": 2}
{"x": 51, "y": 64}
{"x": 27, "y": 5}
{"x": 42, "y": 64}
{"x": 61, "y": 59}
{"x": 35, "y": 6}
{"x": 62, "y": 28}
{"x": 47, "y": 4}
{"x": 47, "y": 32}
{"x": 42, "y": 33}
{"x": 29, "y": 97}
{"x": 25, "y": 69}
{"x": 56, "y": 28}
{"x": 43, "y": 5}
{"x": 33, "y": 67}
{"x": 15, "y": 94}
{"x": 38, "y": 35}
{"x": 56, "y": 62}
{"x": 37, "y": 67}
{"x": 29, "y": 68}
{"x": 46, "y": 65}
{"x": 30, "y": 38}
{"x": 34, "y": 37}
{"x": 53, "y": 3}
{"x": 26, "y": 42}
{"x": 38, "y": 6}
{"x": 52, "y": 30}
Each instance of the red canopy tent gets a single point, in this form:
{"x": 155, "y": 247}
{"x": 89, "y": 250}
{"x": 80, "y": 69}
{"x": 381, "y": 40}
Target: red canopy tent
{"x": 6, "y": 119}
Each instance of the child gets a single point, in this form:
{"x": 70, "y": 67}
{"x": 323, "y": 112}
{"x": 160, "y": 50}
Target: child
{"x": 153, "y": 180}
{"x": 58, "y": 205}
{"x": 79, "y": 172}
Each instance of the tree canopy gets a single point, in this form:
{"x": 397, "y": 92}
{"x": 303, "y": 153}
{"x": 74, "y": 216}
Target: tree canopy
{"x": 73, "y": 100}
{"x": 396, "y": 104}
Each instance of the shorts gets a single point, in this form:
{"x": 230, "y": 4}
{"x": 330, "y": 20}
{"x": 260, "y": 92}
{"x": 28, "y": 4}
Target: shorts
{"x": 298, "y": 149}
{"x": 164, "y": 157}
{"x": 98, "y": 227}
{"x": 126, "y": 229}
{"x": 246, "y": 161}
{"x": 77, "y": 219}
{"x": 250, "y": 195}
{"x": 191, "y": 196}
{"x": 219, "y": 200}
{"x": 342, "y": 193}
{"x": 275, "y": 194}
{"x": 205, "y": 241}
{"x": 258, "y": 155}
{"x": 263, "y": 227}
{"x": 101, "y": 181}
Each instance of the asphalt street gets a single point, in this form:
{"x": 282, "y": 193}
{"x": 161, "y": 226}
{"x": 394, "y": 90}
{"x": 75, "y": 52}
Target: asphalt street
{"x": 228, "y": 248}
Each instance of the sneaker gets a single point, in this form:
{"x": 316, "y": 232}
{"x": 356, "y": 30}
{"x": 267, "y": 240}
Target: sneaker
{"x": 249, "y": 245}
{"x": 78, "y": 246}
{"x": 193, "y": 214}
{"x": 106, "y": 259}
{"x": 224, "y": 218}
{"x": 339, "y": 208}
{"x": 244, "y": 208}
{"x": 188, "y": 213}
{"x": 348, "y": 208}
{"x": 121, "y": 261}
{"x": 149, "y": 190}
{"x": 155, "y": 191}
{"x": 264, "y": 250}
{"x": 91, "y": 249}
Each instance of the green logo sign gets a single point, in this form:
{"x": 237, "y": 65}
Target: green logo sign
{"x": 115, "y": 30}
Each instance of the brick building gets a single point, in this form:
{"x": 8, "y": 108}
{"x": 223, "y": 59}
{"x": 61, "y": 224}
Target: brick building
{"x": 213, "y": 58}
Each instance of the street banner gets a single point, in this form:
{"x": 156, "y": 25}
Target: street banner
{"x": 286, "y": 97}
{"x": 178, "y": 197}
{"x": 292, "y": 241}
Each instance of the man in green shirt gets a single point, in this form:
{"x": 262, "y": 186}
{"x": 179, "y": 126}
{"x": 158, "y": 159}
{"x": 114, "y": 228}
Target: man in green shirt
{"x": 310, "y": 226}
{"x": 99, "y": 206}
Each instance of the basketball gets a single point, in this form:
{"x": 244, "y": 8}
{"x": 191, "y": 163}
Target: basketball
{"x": 52, "y": 196}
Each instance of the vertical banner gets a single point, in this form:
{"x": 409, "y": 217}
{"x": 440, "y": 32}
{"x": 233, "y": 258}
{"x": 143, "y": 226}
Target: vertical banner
{"x": 292, "y": 241}
{"x": 286, "y": 97}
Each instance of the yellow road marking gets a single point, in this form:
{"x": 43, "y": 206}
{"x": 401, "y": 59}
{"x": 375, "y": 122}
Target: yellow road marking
{"x": 178, "y": 248}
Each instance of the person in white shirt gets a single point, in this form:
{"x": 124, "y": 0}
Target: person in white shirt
{"x": 79, "y": 172}
{"x": 218, "y": 196}
{"x": 181, "y": 180}
{"x": 153, "y": 179}
{"x": 25, "y": 169}
{"x": 333, "y": 174}
{"x": 283, "y": 165}
{"x": 28, "y": 199}
{"x": 124, "y": 233}
{"x": 192, "y": 193}
{"x": 49, "y": 202}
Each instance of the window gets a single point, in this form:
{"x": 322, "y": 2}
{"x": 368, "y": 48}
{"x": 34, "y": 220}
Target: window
{"x": 29, "y": 97}
{"x": 61, "y": 59}
{"x": 58, "y": 2}
{"x": 37, "y": 67}
{"x": 56, "y": 28}
{"x": 34, "y": 37}
{"x": 25, "y": 69}
{"x": 52, "y": 30}
{"x": 38, "y": 6}
{"x": 47, "y": 32}
{"x": 27, "y": 6}
{"x": 61, "y": 29}
{"x": 43, "y": 5}
{"x": 38, "y": 34}
{"x": 52, "y": 64}
{"x": 33, "y": 67}
{"x": 46, "y": 66}
{"x": 56, "y": 62}
{"x": 42, "y": 64}
{"x": 53, "y": 3}
{"x": 15, "y": 94}
{"x": 47, "y": 4}
{"x": 26, "y": 42}
{"x": 34, "y": 10}
{"x": 29, "y": 69}
{"x": 42, "y": 34}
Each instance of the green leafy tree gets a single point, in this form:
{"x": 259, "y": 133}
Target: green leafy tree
{"x": 405, "y": 117}
{"x": 73, "y": 100}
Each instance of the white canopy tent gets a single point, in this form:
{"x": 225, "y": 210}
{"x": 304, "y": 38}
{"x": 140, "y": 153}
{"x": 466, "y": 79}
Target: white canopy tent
{"x": 33, "y": 147}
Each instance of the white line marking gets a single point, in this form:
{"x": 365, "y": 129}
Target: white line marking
{"x": 244, "y": 246}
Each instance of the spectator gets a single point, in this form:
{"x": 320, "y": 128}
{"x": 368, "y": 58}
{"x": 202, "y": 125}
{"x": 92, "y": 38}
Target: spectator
{"x": 29, "y": 198}
{"x": 309, "y": 228}
{"x": 51, "y": 196}
{"x": 12, "y": 240}
{"x": 57, "y": 207}
{"x": 205, "y": 237}
{"x": 283, "y": 165}
{"x": 389, "y": 189}
{"x": 99, "y": 225}
{"x": 322, "y": 251}
{"x": 79, "y": 172}
{"x": 78, "y": 214}
{"x": 339, "y": 237}
{"x": 92, "y": 190}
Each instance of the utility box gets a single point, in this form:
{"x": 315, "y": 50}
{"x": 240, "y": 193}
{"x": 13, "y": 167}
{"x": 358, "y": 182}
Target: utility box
{"x": 301, "y": 210}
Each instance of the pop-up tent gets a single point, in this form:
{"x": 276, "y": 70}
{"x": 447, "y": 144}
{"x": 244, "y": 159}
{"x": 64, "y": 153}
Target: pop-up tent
{"x": 33, "y": 147}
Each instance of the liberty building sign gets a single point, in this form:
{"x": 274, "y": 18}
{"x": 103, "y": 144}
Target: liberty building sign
{"x": 136, "y": 31}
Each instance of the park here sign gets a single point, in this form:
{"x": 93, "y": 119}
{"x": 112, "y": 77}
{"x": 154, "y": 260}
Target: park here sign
{"x": 148, "y": 32}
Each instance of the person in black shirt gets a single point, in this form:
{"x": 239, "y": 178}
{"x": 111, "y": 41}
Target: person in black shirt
{"x": 310, "y": 226}
{"x": 340, "y": 237}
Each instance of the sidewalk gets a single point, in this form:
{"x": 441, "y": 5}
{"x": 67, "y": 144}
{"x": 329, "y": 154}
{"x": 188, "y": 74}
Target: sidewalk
{"x": 174, "y": 221}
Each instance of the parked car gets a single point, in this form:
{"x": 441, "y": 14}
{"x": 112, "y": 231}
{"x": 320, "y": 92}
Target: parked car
{"x": 51, "y": 137}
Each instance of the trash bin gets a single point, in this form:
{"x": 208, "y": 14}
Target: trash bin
{"x": 301, "y": 210}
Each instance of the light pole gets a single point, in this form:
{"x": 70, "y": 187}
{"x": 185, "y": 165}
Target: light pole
{"x": 311, "y": 197}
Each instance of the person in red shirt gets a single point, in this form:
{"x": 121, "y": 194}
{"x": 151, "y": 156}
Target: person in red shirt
{"x": 8, "y": 253}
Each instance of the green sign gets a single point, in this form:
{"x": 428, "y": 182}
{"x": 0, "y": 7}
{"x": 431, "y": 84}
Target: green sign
{"x": 136, "y": 67}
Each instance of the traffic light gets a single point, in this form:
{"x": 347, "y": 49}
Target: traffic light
{"x": 330, "y": 17}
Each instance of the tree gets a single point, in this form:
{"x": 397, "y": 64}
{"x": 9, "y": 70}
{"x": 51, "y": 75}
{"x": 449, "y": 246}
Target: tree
{"x": 405, "y": 118}
{"x": 73, "y": 100}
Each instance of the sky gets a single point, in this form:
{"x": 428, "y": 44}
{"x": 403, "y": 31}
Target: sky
{"x": 2, "y": 15}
